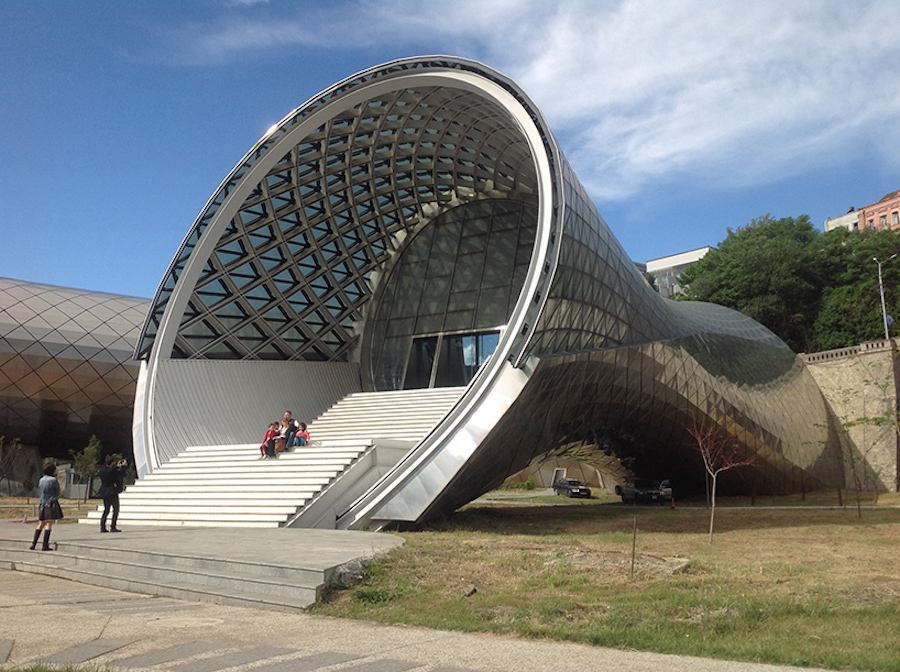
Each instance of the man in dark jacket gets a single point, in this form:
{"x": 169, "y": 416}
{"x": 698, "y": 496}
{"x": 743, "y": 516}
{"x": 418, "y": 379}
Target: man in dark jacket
{"x": 112, "y": 479}
{"x": 292, "y": 427}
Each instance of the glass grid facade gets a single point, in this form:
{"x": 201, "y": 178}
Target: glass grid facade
{"x": 463, "y": 272}
{"x": 292, "y": 273}
{"x": 66, "y": 368}
{"x": 164, "y": 292}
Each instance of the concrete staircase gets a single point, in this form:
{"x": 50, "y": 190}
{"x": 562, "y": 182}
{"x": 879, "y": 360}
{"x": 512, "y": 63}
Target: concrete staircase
{"x": 278, "y": 569}
{"x": 230, "y": 485}
{"x": 181, "y": 576}
{"x": 404, "y": 415}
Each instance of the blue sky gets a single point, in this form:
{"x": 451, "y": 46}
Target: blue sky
{"x": 118, "y": 119}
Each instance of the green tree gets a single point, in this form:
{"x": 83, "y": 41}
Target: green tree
{"x": 850, "y": 310}
{"x": 816, "y": 291}
{"x": 763, "y": 270}
{"x": 87, "y": 462}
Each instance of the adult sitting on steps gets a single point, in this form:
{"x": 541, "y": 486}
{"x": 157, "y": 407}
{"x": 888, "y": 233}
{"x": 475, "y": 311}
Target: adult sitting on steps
{"x": 290, "y": 430}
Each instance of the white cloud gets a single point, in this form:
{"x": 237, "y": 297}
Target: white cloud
{"x": 734, "y": 94}
{"x": 639, "y": 90}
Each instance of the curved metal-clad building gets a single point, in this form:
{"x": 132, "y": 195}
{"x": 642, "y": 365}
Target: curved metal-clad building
{"x": 66, "y": 366}
{"x": 416, "y": 226}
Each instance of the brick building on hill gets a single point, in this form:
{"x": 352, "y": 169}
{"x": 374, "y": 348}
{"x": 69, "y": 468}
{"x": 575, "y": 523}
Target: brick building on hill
{"x": 881, "y": 215}
{"x": 885, "y": 214}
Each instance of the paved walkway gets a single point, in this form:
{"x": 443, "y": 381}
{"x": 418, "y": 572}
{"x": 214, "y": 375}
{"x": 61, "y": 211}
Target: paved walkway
{"x": 58, "y": 621}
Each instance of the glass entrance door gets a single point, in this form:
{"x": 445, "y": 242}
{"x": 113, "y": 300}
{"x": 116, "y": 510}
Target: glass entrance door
{"x": 448, "y": 360}
{"x": 421, "y": 363}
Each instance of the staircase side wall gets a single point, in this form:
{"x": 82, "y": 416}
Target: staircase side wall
{"x": 211, "y": 402}
{"x": 860, "y": 386}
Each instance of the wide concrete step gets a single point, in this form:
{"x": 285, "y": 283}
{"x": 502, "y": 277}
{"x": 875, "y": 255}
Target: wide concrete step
{"x": 250, "y": 448}
{"x": 190, "y": 515}
{"x": 338, "y": 430}
{"x": 384, "y": 411}
{"x": 325, "y": 453}
{"x": 368, "y": 436}
{"x": 202, "y": 492}
{"x": 290, "y": 457}
{"x": 233, "y": 483}
{"x": 359, "y": 418}
{"x": 257, "y": 466}
{"x": 317, "y": 450}
{"x": 207, "y": 501}
{"x": 181, "y": 575}
{"x": 390, "y": 415}
{"x": 257, "y": 463}
{"x": 272, "y": 468}
{"x": 220, "y": 509}
{"x": 152, "y": 521}
{"x": 183, "y": 587}
{"x": 248, "y": 482}
{"x": 425, "y": 393}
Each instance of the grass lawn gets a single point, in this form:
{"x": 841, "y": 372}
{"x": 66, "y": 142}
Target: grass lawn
{"x": 800, "y": 586}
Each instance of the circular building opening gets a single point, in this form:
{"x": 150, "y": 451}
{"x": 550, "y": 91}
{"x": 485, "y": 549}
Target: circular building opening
{"x": 448, "y": 297}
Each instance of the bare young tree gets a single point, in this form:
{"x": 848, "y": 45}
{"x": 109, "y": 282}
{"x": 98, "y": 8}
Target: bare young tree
{"x": 720, "y": 452}
{"x": 9, "y": 459}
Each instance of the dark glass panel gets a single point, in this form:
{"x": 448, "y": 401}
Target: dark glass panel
{"x": 421, "y": 361}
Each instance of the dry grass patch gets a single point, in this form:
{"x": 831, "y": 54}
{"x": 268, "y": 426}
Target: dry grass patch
{"x": 19, "y": 509}
{"x": 797, "y": 586}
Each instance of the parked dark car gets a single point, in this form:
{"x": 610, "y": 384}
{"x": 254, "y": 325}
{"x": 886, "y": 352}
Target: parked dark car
{"x": 571, "y": 488}
{"x": 635, "y": 490}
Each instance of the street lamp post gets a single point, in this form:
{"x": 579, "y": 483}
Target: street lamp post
{"x": 881, "y": 289}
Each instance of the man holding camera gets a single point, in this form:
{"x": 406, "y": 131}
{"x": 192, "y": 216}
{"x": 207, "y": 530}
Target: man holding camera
{"x": 112, "y": 480}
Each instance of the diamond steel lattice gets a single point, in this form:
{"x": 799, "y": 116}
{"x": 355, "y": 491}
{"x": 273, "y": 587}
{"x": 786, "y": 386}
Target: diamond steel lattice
{"x": 66, "y": 368}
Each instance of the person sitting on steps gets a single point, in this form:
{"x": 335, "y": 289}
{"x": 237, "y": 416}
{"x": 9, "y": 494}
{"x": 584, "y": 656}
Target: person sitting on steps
{"x": 281, "y": 437}
{"x": 267, "y": 448}
{"x": 291, "y": 431}
{"x": 302, "y": 436}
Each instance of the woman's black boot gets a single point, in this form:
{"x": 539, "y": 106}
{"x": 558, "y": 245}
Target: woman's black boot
{"x": 46, "y": 541}
{"x": 37, "y": 533}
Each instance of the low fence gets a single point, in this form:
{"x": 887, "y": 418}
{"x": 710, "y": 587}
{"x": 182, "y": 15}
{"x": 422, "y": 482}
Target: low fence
{"x": 841, "y": 353}
{"x": 33, "y": 505}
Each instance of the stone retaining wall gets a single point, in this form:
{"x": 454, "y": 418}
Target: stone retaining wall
{"x": 860, "y": 386}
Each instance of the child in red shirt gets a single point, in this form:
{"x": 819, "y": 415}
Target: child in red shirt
{"x": 267, "y": 447}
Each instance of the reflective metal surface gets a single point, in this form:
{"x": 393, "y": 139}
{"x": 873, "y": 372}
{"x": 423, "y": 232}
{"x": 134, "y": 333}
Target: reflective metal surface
{"x": 65, "y": 366}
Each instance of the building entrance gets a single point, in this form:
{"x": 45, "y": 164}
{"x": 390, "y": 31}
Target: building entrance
{"x": 448, "y": 360}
